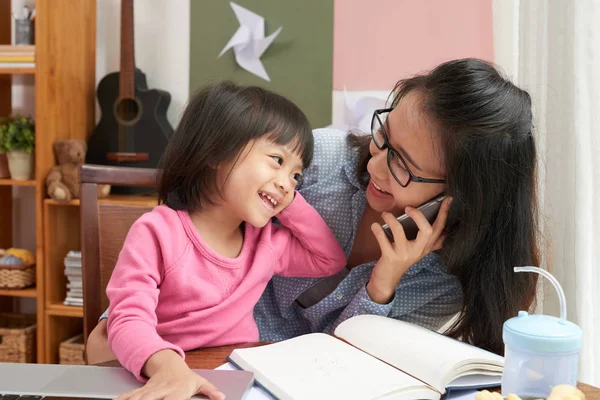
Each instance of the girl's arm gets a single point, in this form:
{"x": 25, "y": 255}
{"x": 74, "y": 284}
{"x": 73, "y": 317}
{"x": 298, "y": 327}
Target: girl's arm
{"x": 133, "y": 292}
{"x": 306, "y": 245}
{"x": 171, "y": 378}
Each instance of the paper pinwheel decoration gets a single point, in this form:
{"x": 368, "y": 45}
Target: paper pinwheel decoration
{"x": 249, "y": 41}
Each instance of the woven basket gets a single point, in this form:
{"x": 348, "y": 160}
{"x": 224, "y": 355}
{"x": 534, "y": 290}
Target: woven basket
{"x": 17, "y": 276}
{"x": 17, "y": 338}
{"x": 71, "y": 351}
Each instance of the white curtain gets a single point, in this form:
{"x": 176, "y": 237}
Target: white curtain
{"x": 552, "y": 49}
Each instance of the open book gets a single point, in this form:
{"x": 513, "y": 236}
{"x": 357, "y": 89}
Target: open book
{"x": 376, "y": 358}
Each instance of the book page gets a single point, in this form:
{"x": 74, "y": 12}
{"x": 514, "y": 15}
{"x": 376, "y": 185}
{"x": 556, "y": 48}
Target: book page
{"x": 427, "y": 355}
{"x": 319, "y": 366}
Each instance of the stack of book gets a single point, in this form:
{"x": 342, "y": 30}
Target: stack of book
{"x": 73, "y": 274}
{"x": 21, "y": 56}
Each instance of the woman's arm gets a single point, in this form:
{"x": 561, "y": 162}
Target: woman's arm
{"x": 398, "y": 256}
{"x": 306, "y": 244}
{"x": 425, "y": 298}
{"x": 427, "y": 295}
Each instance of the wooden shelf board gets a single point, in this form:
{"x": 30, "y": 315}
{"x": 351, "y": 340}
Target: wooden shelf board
{"x": 133, "y": 200}
{"x": 61, "y": 310}
{"x": 27, "y": 292}
{"x": 17, "y": 70}
{"x": 12, "y": 182}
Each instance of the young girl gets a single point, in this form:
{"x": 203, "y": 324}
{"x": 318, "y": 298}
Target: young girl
{"x": 192, "y": 269}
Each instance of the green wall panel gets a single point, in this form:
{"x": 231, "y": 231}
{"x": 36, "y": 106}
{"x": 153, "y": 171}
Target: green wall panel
{"x": 299, "y": 62}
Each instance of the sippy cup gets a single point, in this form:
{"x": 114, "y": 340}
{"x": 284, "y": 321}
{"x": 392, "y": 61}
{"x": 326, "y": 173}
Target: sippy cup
{"x": 541, "y": 351}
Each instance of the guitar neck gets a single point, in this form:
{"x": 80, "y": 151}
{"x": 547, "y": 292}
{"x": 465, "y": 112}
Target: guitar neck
{"x": 126, "y": 76}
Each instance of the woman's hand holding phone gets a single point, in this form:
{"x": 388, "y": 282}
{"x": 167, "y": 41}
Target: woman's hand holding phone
{"x": 398, "y": 256}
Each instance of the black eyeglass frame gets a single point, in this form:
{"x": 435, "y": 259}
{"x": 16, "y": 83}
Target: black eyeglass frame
{"x": 393, "y": 152}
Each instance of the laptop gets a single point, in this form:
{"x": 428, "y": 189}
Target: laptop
{"x": 45, "y": 381}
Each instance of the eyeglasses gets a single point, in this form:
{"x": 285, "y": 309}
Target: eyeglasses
{"x": 398, "y": 167}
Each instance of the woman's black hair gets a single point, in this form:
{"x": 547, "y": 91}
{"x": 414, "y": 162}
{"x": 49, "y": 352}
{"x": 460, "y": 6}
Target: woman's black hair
{"x": 217, "y": 124}
{"x": 485, "y": 129}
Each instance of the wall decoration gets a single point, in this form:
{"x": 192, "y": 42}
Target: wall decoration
{"x": 299, "y": 62}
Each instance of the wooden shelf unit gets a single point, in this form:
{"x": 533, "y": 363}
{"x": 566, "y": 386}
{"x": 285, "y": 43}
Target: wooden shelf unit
{"x": 62, "y": 233}
{"x": 65, "y": 95}
{"x": 26, "y": 292}
{"x": 131, "y": 200}
{"x": 61, "y": 310}
{"x": 17, "y": 70}
{"x": 12, "y": 182}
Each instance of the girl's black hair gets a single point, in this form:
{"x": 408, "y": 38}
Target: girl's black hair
{"x": 217, "y": 124}
{"x": 484, "y": 124}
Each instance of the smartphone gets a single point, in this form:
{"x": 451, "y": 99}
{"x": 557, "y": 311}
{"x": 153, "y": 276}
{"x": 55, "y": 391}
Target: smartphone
{"x": 430, "y": 209}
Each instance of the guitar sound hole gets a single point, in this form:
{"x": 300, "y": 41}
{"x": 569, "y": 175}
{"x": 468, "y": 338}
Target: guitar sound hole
{"x": 128, "y": 111}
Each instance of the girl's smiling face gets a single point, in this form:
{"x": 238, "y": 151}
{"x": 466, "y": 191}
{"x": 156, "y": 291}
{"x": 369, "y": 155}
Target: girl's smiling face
{"x": 260, "y": 182}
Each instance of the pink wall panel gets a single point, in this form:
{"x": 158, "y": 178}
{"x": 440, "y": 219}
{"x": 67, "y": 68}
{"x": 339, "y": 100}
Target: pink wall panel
{"x": 377, "y": 42}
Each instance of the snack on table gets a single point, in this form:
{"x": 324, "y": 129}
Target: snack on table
{"x": 560, "y": 392}
{"x": 487, "y": 395}
{"x": 566, "y": 392}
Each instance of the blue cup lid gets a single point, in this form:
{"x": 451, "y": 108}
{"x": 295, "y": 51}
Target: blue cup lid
{"x": 542, "y": 334}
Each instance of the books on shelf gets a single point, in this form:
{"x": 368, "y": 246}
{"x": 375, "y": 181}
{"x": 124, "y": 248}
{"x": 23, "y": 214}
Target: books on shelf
{"x": 20, "y": 56}
{"x": 4, "y": 65}
{"x": 17, "y": 54}
{"x": 370, "y": 357}
{"x": 74, "y": 279}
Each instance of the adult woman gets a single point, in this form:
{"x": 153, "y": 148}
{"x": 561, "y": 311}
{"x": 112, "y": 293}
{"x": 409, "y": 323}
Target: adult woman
{"x": 461, "y": 129}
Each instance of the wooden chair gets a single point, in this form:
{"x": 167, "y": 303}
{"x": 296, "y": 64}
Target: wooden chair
{"x": 104, "y": 226}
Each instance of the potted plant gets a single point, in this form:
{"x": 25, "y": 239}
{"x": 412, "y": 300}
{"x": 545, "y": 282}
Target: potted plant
{"x": 18, "y": 141}
{"x": 4, "y": 172}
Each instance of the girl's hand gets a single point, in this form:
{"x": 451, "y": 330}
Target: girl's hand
{"x": 171, "y": 380}
{"x": 397, "y": 257}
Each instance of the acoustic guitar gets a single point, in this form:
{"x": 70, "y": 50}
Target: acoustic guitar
{"x": 133, "y": 130}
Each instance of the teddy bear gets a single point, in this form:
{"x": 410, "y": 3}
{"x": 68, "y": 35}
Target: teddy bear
{"x": 62, "y": 182}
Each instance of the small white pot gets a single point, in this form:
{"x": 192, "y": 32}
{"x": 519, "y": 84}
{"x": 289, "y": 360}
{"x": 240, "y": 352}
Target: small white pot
{"x": 4, "y": 172}
{"x": 20, "y": 164}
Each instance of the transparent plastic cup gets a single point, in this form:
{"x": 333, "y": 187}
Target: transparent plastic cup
{"x": 541, "y": 351}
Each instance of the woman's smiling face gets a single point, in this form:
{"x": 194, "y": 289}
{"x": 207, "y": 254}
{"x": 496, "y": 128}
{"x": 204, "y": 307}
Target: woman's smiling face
{"x": 410, "y": 132}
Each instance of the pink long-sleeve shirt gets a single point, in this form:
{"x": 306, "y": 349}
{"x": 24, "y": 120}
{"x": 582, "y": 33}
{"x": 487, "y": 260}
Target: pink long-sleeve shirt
{"x": 170, "y": 290}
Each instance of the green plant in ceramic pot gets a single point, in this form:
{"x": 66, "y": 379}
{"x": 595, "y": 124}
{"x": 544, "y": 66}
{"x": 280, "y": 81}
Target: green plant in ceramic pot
{"x": 17, "y": 139}
{"x": 4, "y": 172}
